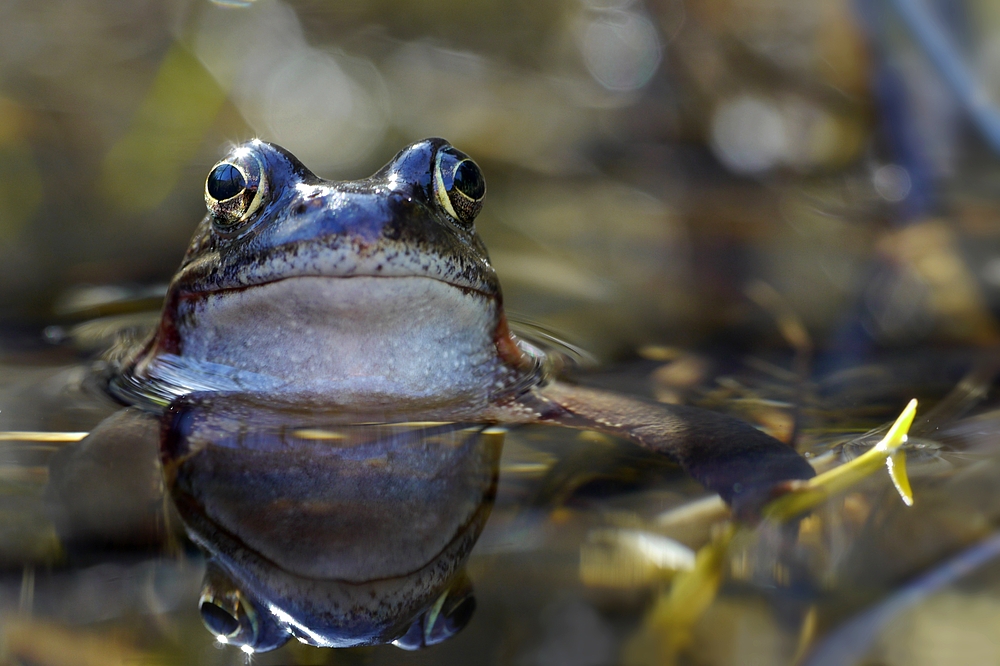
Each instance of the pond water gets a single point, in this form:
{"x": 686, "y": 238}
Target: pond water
{"x": 577, "y": 540}
{"x": 779, "y": 210}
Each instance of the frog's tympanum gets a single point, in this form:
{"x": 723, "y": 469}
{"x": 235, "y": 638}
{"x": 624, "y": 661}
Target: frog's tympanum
{"x": 373, "y": 298}
{"x": 334, "y": 534}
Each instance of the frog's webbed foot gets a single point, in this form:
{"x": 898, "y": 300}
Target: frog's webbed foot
{"x": 724, "y": 454}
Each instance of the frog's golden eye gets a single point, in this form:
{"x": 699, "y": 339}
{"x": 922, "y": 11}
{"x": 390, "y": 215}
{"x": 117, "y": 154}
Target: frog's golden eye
{"x": 235, "y": 188}
{"x": 459, "y": 185}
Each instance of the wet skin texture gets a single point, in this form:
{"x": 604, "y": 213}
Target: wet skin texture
{"x": 377, "y": 296}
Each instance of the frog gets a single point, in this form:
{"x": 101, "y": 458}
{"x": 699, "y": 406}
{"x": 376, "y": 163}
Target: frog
{"x": 317, "y": 304}
{"x": 377, "y": 296}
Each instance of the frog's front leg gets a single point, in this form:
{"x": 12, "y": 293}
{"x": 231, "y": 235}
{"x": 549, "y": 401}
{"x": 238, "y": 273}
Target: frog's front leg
{"x": 725, "y": 454}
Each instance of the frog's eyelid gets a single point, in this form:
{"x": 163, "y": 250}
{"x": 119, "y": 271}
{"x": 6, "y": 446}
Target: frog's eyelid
{"x": 262, "y": 189}
{"x": 439, "y": 191}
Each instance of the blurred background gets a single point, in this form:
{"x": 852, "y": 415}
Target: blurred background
{"x": 660, "y": 171}
{"x": 799, "y": 186}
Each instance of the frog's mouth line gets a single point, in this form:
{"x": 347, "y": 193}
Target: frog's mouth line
{"x": 468, "y": 291}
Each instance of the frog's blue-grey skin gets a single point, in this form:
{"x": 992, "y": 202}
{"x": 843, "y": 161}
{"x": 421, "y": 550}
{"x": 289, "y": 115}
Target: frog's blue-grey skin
{"x": 369, "y": 293}
{"x": 378, "y": 296}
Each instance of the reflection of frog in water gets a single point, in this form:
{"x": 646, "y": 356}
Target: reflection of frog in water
{"x": 376, "y": 298}
{"x": 335, "y": 534}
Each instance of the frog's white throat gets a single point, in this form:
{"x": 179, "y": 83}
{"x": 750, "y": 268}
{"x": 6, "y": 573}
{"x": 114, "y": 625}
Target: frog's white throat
{"x": 357, "y": 340}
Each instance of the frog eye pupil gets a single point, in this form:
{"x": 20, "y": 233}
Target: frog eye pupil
{"x": 469, "y": 180}
{"x": 225, "y": 182}
{"x": 459, "y": 186}
{"x": 219, "y": 621}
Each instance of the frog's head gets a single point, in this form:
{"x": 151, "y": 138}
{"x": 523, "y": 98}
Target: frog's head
{"x": 369, "y": 291}
{"x": 271, "y": 219}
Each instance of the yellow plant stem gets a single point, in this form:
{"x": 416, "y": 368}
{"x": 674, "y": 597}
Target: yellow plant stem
{"x": 837, "y": 480}
{"x": 34, "y": 436}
